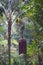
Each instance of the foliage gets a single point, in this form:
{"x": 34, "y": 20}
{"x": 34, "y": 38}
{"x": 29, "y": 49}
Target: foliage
{"x": 32, "y": 14}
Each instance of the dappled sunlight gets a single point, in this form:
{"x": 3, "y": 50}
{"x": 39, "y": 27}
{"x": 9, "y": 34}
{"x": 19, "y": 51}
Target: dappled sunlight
{"x": 4, "y": 42}
{"x": 15, "y": 42}
{"x": 21, "y": 32}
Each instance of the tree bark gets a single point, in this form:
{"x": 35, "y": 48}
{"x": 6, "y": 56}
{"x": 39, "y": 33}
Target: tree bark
{"x": 9, "y": 40}
{"x": 40, "y": 60}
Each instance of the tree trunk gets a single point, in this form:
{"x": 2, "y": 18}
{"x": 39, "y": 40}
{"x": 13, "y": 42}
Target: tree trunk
{"x": 9, "y": 40}
{"x": 40, "y": 60}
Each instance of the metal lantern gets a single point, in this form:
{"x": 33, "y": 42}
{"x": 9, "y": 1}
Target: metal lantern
{"x": 22, "y": 46}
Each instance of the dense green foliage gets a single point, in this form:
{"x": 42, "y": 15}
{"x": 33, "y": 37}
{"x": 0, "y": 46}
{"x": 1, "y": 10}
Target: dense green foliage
{"x": 31, "y": 13}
